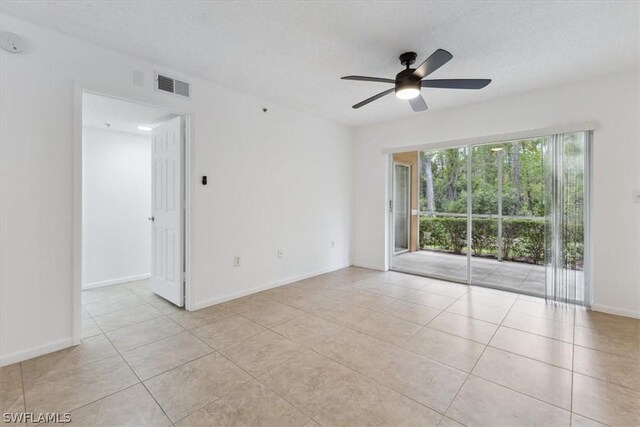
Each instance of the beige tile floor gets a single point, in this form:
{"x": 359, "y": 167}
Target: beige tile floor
{"x": 352, "y": 347}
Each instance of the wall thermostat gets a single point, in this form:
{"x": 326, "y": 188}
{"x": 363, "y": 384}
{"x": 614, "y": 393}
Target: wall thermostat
{"x": 11, "y": 42}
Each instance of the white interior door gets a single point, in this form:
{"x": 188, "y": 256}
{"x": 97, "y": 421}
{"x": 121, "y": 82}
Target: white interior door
{"x": 167, "y": 278}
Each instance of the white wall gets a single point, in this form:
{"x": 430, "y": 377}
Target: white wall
{"x": 116, "y": 202}
{"x": 613, "y": 101}
{"x": 280, "y": 179}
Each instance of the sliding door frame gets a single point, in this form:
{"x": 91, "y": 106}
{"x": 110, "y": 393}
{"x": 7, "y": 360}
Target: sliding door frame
{"x": 587, "y": 267}
{"x": 469, "y": 144}
{"x": 392, "y": 206}
{"x": 391, "y": 215}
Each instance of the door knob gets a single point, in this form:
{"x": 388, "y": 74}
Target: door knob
{"x": 151, "y": 219}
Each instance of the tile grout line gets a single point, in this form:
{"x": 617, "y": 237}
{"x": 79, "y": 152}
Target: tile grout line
{"x": 132, "y": 324}
{"x": 253, "y": 378}
{"x": 573, "y": 357}
{"x": 399, "y": 346}
{"x": 474, "y": 365}
{"x": 394, "y": 345}
{"x": 214, "y": 351}
{"x": 106, "y": 396}
{"x": 112, "y": 299}
{"x": 217, "y": 398}
{"x": 535, "y": 333}
{"x": 574, "y": 345}
{"x": 24, "y": 394}
{"x": 536, "y": 398}
{"x": 135, "y": 324}
{"x": 521, "y": 393}
{"x": 364, "y": 318}
{"x": 297, "y": 355}
{"x": 181, "y": 364}
{"x": 144, "y": 302}
{"x": 153, "y": 341}
{"x": 100, "y": 360}
{"x": 545, "y": 363}
{"x": 608, "y": 382}
{"x": 530, "y": 358}
{"x": 139, "y": 380}
{"x": 234, "y": 364}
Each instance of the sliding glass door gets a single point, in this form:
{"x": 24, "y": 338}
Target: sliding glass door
{"x": 401, "y": 207}
{"x": 509, "y": 215}
{"x": 441, "y": 216}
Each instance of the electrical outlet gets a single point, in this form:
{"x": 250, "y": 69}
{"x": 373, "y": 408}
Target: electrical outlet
{"x": 280, "y": 254}
{"x": 236, "y": 261}
{"x": 333, "y": 244}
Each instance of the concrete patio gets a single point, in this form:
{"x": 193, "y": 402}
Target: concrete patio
{"x": 520, "y": 277}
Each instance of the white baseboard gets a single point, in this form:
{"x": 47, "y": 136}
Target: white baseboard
{"x": 277, "y": 283}
{"x": 19, "y": 356}
{"x": 369, "y": 266}
{"x": 117, "y": 281}
{"x": 614, "y": 310}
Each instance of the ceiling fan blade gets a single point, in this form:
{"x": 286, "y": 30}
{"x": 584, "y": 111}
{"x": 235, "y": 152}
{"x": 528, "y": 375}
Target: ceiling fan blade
{"x": 368, "y": 79}
{"x": 418, "y": 104}
{"x": 457, "y": 83}
{"x": 373, "y": 98}
{"x": 432, "y": 63}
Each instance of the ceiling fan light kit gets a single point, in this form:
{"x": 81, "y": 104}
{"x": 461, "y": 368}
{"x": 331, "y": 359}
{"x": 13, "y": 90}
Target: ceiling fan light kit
{"x": 409, "y": 82}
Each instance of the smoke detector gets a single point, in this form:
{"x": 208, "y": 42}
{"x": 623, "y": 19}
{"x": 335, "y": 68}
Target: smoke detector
{"x": 11, "y": 42}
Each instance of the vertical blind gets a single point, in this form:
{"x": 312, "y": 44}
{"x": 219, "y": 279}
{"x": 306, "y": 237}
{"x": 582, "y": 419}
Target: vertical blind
{"x": 566, "y": 168}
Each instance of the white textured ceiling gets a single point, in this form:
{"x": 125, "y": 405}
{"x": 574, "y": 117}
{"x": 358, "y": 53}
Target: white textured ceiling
{"x": 293, "y": 53}
{"x": 123, "y": 116}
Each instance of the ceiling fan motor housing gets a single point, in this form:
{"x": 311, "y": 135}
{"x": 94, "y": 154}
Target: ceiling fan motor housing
{"x": 406, "y": 79}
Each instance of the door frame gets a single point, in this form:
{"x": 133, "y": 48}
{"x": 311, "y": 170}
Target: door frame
{"x": 76, "y": 297}
{"x": 393, "y": 198}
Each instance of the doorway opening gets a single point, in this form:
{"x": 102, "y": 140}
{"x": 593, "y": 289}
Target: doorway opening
{"x": 510, "y": 215}
{"x": 134, "y": 209}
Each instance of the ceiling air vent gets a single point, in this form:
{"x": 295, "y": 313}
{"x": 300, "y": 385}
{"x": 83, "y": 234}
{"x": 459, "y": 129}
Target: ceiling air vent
{"x": 171, "y": 85}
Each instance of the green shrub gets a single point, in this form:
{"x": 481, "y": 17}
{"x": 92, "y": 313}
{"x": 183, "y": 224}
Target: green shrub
{"x": 456, "y": 230}
{"x": 484, "y": 236}
{"x": 523, "y": 240}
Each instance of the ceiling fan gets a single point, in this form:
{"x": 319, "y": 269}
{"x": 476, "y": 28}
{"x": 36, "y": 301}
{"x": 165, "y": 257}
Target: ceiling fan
{"x": 409, "y": 81}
